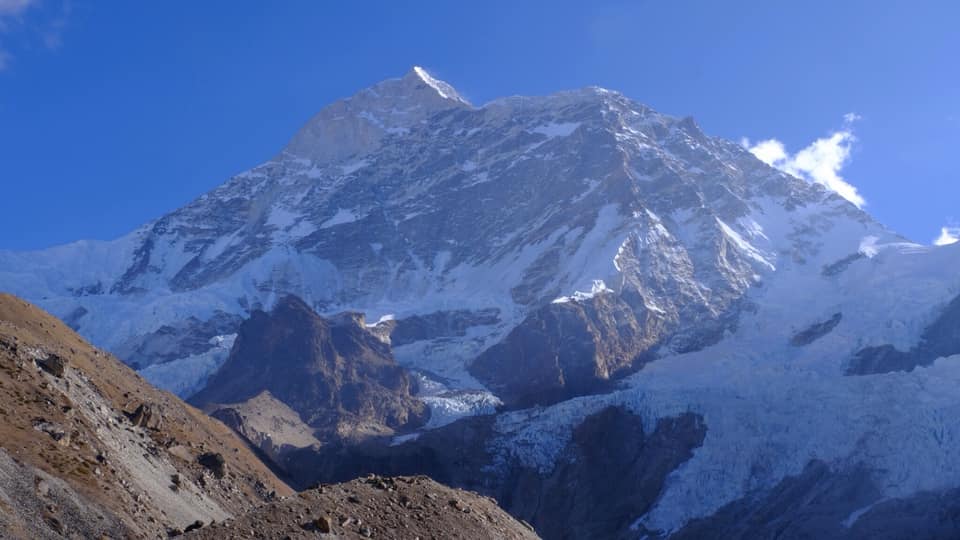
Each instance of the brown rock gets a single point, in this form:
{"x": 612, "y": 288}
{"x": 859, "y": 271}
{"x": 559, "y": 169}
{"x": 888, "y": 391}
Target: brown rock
{"x": 52, "y": 364}
{"x": 323, "y": 524}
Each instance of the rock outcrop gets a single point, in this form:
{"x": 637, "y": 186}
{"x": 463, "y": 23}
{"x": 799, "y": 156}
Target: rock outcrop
{"x": 267, "y": 424}
{"x": 339, "y": 377}
{"x": 567, "y": 349}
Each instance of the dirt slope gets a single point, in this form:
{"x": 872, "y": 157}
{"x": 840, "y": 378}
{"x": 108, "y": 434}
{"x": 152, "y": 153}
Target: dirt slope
{"x": 89, "y": 448}
{"x": 376, "y": 507}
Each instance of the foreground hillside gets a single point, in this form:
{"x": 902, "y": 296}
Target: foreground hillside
{"x": 88, "y": 448}
{"x": 374, "y": 507}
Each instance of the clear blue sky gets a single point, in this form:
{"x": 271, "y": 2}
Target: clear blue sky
{"x": 115, "y": 112}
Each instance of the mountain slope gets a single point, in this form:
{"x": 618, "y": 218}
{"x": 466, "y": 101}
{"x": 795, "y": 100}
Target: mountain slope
{"x": 90, "y": 448}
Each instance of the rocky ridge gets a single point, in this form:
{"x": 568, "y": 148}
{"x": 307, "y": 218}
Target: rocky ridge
{"x": 377, "y": 507}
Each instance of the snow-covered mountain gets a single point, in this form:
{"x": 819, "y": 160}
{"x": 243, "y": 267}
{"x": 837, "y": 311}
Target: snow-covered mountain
{"x": 768, "y": 306}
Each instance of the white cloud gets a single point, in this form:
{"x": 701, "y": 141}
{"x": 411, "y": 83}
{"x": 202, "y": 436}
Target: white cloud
{"x": 10, "y": 10}
{"x": 14, "y": 7}
{"x": 819, "y": 162}
{"x": 948, "y": 235}
{"x": 45, "y": 24}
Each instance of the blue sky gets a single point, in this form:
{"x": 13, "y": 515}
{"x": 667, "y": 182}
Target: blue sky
{"x": 115, "y": 112}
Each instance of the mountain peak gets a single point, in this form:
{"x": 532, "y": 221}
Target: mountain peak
{"x": 356, "y": 125}
{"x": 444, "y": 89}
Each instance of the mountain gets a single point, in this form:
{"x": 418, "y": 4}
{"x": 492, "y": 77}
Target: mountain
{"x": 88, "y": 448}
{"x": 404, "y": 202}
{"x": 338, "y": 377}
{"x": 580, "y": 265}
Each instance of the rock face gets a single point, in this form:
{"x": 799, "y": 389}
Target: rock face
{"x": 824, "y": 502}
{"x": 818, "y": 503}
{"x": 339, "y": 377}
{"x": 940, "y": 339}
{"x": 568, "y": 348}
{"x": 377, "y": 507}
{"x": 816, "y": 331}
{"x": 611, "y": 472}
{"x": 91, "y": 449}
{"x": 267, "y": 424}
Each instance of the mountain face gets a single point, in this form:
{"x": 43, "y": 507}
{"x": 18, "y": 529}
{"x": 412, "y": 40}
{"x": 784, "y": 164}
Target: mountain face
{"x": 760, "y": 338}
{"x": 405, "y": 201}
{"x": 336, "y": 375}
{"x": 88, "y": 448}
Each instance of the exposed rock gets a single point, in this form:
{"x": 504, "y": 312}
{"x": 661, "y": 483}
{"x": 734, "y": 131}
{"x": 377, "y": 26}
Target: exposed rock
{"x": 611, "y": 472}
{"x": 341, "y": 379}
{"x": 818, "y": 503}
{"x": 323, "y": 525}
{"x": 56, "y": 431}
{"x": 268, "y": 424}
{"x": 884, "y": 359}
{"x": 440, "y": 324}
{"x": 567, "y": 349}
{"x": 940, "y": 339}
{"x": 841, "y": 265}
{"x": 52, "y": 364}
{"x": 72, "y": 465}
{"x": 342, "y": 129}
{"x": 213, "y": 462}
{"x": 146, "y": 416}
{"x": 816, "y": 331}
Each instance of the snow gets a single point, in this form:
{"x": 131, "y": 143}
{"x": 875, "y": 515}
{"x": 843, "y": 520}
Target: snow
{"x": 445, "y": 409}
{"x": 598, "y": 287}
{"x": 868, "y": 246}
{"x": 769, "y": 409}
{"x": 354, "y": 166}
{"x": 445, "y": 90}
{"x": 856, "y": 514}
{"x": 745, "y": 246}
{"x": 383, "y": 318}
{"x": 185, "y": 376}
{"x": 447, "y": 406}
{"x": 554, "y": 129}
{"x": 343, "y": 216}
{"x": 400, "y": 439}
